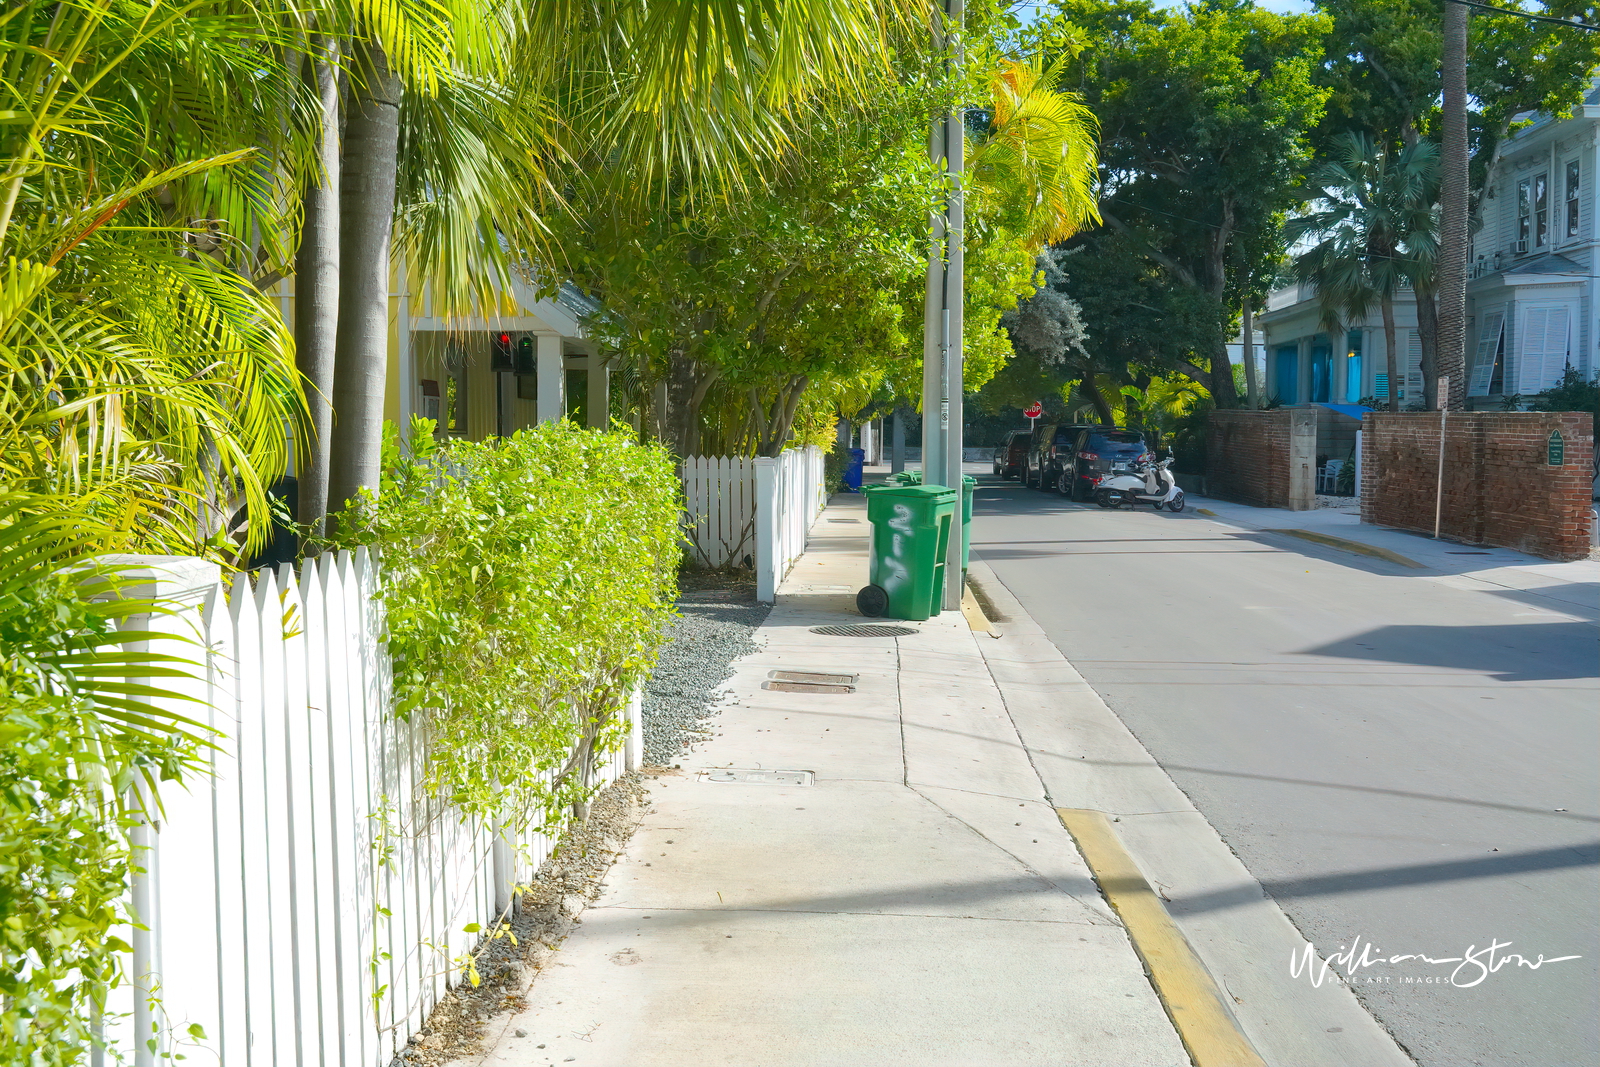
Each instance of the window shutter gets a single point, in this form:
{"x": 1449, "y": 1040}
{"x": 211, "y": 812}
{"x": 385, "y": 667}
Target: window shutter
{"x": 1411, "y": 381}
{"x": 1543, "y": 352}
{"x": 1494, "y": 324}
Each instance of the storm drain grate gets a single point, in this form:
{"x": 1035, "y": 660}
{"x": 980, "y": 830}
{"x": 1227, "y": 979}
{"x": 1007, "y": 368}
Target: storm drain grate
{"x": 864, "y": 631}
{"x": 807, "y": 687}
{"x": 853, "y": 522}
{"x": 820, "y": 677}
{"x": 749, "y": 776}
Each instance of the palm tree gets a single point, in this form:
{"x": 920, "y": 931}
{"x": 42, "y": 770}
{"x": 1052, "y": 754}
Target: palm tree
{"x": 660, "y": 89}
{"x": 1041, "y": 151}
{"x": 1376, "y": 224}
{"x": 144, "y": 378}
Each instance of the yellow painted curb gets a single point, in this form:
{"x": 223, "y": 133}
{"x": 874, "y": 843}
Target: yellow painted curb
{"x": 976, "y": 619}
{"x": 1192, "y": 1000}
{"x": 1205, "y": 511}
{"x": 1352, "y": 546}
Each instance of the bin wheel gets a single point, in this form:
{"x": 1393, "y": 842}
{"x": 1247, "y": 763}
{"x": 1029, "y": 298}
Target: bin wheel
{"x": 872, "y": 601}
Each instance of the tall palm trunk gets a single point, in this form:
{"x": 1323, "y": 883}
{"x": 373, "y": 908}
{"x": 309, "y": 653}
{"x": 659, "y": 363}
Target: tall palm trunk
{"x": 1386, "y": 304}
{"x": 1428, "y": 338}
{"x": 316, "y": 302}
{"x": 366, "y": 219}
{"x": 1452, "y": 276}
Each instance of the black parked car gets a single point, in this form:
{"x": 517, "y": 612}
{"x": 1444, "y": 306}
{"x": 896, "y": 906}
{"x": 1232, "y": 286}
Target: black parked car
{"x": 1101, "y": 451}
{"x": 1051, "y": 451}
{"x": 1012, "y": 455}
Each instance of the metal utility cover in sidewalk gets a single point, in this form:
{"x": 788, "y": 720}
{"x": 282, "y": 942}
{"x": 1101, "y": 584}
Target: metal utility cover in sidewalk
{"x": 867, "y": 630}
{"x": 756, "y": 776}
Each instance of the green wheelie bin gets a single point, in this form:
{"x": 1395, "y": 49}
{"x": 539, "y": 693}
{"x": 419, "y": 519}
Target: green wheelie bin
{"x": 968, "y": 485}
{"x": 910, "y": 535}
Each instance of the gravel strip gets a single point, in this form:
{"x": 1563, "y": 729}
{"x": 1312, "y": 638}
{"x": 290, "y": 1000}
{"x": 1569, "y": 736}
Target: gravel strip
{"x": 565, "y": 884}
{"x": 718, "y": 616}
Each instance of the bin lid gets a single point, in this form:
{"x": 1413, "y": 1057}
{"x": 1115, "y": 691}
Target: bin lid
{"x": 914, "y": 491}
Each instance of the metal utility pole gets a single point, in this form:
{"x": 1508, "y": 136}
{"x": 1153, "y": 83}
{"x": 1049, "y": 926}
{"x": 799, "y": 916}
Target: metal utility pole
{"x": 943, "y": 313}
{"x": 1452, "y": 278}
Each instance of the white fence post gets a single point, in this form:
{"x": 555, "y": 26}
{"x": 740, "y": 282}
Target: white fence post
{"x": 634, "y": 749}
{"x": 766, "y": 529}
{"x": 169, "y": 885}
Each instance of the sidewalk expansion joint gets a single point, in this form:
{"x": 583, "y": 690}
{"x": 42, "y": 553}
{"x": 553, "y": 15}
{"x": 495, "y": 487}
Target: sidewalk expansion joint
{"x": 1024, "y": 864}
{"x": 1198, "y": 1009}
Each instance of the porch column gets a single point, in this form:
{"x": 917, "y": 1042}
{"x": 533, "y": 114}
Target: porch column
{"x": 599, "y": 392}
{"x": 552, "y": 402}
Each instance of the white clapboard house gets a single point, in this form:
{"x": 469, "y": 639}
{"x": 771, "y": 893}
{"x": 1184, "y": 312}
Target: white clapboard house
{"x": 1532, "y": 300}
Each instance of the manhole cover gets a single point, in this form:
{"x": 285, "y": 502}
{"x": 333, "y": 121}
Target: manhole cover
{"x": 864, "y": 631}
{"x": 807, "y": 687}
{"x": 748, "y": 776}
{"x": 821, "y": 677}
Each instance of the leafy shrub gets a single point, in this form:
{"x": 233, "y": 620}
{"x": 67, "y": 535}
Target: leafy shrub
{"x": 75, "y": 739}
{"x": 525, "y": 582}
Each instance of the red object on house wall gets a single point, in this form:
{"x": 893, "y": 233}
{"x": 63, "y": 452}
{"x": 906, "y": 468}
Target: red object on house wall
{"x": 1499, "y": 488}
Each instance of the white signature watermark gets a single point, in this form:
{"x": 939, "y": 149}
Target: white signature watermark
{"x": 1471, "y": 967}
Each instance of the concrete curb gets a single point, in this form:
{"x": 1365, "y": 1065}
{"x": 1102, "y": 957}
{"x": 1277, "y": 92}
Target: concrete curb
{"x": 1197, "y": 1008}
{"x": 1090, "y": 760}
{"x": 1349, "y": 546}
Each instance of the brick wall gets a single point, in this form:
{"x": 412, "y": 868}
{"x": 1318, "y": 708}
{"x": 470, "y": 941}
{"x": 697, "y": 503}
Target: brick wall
{"x": 1261, "y": 457}
{"x": 1498, "y": 489}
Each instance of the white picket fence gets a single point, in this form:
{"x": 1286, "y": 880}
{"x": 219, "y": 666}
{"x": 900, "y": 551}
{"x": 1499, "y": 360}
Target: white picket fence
{"x": 760, "y": 508}
{"x": 719, "y": 503}
{"x": 303, "y": 904}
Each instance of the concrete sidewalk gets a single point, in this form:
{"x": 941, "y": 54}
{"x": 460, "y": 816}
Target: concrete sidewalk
{"x": 919, "y": 903}
{"x": 1497, "y": 570}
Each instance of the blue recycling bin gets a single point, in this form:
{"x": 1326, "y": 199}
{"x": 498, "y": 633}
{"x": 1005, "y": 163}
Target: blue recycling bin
{"x": 852, "y": 473}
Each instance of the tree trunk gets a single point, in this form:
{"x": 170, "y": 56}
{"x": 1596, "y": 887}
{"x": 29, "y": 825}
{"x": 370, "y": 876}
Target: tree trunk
{"x": 1386, "y": 304}
{"x": 784, "y": 423}
{"x": 1252, "y": 390}
{"x": 1091, "y": 389}
{"x": 679, "y": 420}
{"x": 316, "y": 286}
{"x": 1223, "y": 391}
{"x": 366, "y": 220}
{"x": 1428, "y": 336}
{"x": 1452, "y": 275}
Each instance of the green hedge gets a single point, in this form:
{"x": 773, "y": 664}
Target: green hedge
{"x": 525, "y": 584}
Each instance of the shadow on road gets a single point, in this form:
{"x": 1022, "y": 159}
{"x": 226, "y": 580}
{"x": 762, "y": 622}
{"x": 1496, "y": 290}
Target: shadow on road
{"x": 1500, "y": 865}
{"x": 1518, "y": 652}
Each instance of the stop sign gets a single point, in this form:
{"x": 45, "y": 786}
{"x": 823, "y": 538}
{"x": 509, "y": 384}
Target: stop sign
{"x": 1034, "y": 410}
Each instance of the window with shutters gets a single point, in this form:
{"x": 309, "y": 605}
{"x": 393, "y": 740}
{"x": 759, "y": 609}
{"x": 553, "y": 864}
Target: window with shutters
{"x": 1572, "y": 198}
{"x": 1542, "y": 347}
{"x": 1533, "y": 212}
{"x": 1486, "y": 355}
{"x": 1411, "y": 379}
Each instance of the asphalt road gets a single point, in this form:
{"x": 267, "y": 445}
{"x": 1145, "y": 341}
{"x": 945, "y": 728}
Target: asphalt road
{"x": 1404, "y": 764}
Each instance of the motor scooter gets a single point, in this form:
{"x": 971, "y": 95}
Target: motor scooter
{"x": 1150, "y": 482}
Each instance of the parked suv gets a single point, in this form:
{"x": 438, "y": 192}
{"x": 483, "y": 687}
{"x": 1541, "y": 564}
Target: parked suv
{"x": 1012, "y": 455}
{"x": 1100, "y": 451}
{"x": 1051, "y": 452}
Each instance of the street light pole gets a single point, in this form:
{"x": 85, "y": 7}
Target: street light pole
{"x": 944, "y": 312}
